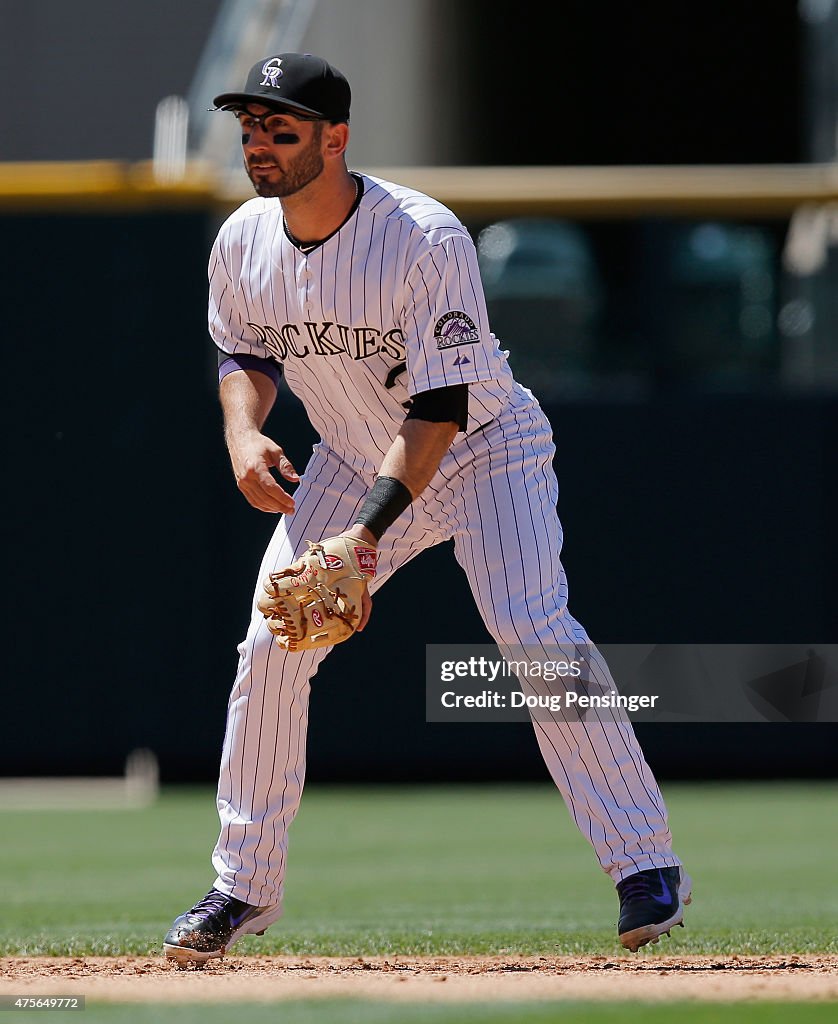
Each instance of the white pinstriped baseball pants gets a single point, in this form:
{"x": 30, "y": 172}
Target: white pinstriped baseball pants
{"x": 495, "y": 494}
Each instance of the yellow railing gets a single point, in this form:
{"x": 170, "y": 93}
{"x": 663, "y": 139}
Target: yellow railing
{"x": 97, "y": 185}
{"x": 734, "y": 191}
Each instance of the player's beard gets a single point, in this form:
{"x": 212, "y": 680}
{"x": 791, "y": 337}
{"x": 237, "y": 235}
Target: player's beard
{"x": 303, "y": 169}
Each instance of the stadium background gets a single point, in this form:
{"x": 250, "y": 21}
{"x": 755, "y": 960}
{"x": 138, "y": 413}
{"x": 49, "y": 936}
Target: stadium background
{"x": 688, "y": 363}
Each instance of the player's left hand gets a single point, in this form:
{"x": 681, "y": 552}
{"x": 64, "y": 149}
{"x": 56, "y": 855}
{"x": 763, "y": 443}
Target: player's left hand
{"x": 319, "y": 599}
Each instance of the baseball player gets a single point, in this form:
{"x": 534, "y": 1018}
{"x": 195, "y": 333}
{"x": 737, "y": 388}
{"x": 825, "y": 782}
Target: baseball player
{"x": 366, "y": 295}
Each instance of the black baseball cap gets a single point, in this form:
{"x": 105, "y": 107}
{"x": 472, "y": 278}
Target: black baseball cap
{"x": 294, "y": 81}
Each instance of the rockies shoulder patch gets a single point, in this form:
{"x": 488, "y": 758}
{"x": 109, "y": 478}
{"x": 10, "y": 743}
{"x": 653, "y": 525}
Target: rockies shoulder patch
{"x": 455, "y": 328}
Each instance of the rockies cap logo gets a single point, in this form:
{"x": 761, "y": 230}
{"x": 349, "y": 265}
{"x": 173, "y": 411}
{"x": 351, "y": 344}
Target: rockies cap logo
{"x": 272, "y": 72}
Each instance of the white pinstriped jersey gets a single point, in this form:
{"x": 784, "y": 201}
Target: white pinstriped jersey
{"x": 389, "y": 306}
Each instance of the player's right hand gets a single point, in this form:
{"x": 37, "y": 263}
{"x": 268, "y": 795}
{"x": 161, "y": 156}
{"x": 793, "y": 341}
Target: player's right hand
{"x": 253, "y": 457}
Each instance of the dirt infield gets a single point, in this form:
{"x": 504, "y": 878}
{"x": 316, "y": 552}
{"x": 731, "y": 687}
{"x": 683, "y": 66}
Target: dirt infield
{"x": 436, "y": 979}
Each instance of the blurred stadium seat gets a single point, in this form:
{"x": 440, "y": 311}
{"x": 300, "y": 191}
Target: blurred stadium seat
{"x": 809, "y": 299}
{"x": 544, "y": 296}
{"x": 719, "y": 306}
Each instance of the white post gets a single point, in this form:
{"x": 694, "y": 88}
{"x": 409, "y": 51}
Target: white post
{"x": 171, "y": 123}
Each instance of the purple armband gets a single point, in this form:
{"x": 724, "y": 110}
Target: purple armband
{"x": 229, "y": 363}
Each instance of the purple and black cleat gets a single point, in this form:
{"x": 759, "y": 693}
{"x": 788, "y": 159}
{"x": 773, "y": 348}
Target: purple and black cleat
{"x": 651, "y": 903}
{"x": 211, "y": 927}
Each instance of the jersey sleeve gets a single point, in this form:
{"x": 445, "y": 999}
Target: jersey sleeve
{"x": 228, "y": 327}
{"x": 448, "y": 340}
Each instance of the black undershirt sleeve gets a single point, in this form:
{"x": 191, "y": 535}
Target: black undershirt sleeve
{"x": 441, "y": 405}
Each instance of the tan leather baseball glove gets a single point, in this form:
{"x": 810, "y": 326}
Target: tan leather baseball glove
{"x": 316, "y": 601}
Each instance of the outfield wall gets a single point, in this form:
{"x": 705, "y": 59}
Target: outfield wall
{"x": 689, "y": 517}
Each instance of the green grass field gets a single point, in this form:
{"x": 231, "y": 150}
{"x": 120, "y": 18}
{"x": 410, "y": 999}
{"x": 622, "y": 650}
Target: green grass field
{"x": 364, "y": 1012}
{"x": 445, "y": 870}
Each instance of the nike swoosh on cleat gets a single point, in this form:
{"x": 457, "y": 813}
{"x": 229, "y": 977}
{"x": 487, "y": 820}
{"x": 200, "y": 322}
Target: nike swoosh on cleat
{"x": 666, "y": 899}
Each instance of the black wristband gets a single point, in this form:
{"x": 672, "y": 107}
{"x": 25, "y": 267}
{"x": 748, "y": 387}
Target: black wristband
{"x": 383, "y": 506}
